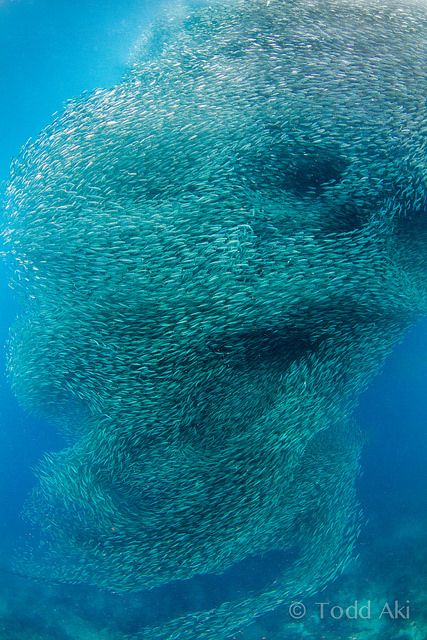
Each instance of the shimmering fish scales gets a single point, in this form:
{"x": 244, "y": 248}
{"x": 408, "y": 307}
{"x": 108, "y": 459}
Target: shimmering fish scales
{"x": 213, "y": 259}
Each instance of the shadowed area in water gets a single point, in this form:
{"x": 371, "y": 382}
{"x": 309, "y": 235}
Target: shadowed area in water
{"x": 213, "y": 259}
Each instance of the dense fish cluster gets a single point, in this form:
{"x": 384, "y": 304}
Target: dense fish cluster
{"x": 213, "y": 259}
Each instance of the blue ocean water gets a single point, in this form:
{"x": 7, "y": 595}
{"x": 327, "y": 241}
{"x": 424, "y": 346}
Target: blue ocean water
{"x": 49, "y": 52}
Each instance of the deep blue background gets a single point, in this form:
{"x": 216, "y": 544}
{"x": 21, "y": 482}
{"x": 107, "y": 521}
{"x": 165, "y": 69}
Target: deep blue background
{"x": 51, "y": 50}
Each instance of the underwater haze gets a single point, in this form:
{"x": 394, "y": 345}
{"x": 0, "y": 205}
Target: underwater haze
{"x": 213, "y": 320}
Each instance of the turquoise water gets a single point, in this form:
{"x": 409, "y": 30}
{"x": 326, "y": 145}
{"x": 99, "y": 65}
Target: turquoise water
{"x": 49, "y": 53}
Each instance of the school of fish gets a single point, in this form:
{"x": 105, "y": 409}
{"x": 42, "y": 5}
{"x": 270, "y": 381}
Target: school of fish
{"x": 212, "y": 260}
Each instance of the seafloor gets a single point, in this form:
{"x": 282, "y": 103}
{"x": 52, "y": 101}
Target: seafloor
{"x": 391, "y": 568}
